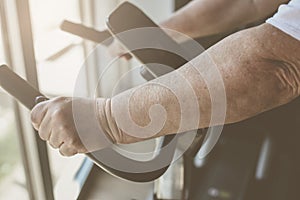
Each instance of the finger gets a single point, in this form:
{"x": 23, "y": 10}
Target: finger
{"x": 40, "y": 99}
{"x": 127, "y": 56}
{"x": 45, "y": 128}
{"x": 55, "y": 141}
{"x": 82, "y": 150}
{"x": 38, "y": 113}
{"x": 65, "y": 150}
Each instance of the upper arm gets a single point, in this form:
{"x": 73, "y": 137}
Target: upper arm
{"x": 260, "y": 67}
{"x": 264, "y": 8}
{"x": 284, "y": 51}
{"x": 269, "y": 55}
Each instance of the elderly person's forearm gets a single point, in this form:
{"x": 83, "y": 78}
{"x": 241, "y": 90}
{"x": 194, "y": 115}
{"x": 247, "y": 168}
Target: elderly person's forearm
{"x": 260, "y": 68}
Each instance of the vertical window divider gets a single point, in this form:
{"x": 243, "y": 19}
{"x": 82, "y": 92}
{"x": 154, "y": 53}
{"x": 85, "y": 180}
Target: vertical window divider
{"x": 20, "y": 132}
{"x": 41, "y": 161}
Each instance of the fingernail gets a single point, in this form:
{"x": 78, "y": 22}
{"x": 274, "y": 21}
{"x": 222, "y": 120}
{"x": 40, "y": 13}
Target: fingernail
{"x": 40, "y": 99}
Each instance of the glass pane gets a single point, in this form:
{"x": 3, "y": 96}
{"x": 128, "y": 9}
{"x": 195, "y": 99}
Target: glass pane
{"x": 59, "y": 56}
{"x": 12, "y": 178}
{"x": 2, "y": 56}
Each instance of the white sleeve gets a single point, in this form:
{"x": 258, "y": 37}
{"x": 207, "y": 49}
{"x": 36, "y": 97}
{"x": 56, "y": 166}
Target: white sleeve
{"x": 287, "y": 19}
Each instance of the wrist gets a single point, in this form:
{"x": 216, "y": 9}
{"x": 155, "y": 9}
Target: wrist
{"x": 106, "y": 120}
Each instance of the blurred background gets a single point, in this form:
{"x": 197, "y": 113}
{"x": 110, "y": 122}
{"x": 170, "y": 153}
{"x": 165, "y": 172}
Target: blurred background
{"x": 33, "y": 45}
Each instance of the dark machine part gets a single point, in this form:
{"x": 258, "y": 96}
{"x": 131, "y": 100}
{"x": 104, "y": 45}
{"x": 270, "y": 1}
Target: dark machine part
{"x": 254, "y": 159}
{"x": 171, "y": 54}
{"x": 229, "y": 169}
{"x": 20, "y": 89}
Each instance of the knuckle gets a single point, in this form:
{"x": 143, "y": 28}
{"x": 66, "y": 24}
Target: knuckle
{"x": 77, "y": 144}
{"x": 34, "y": 114}
{"x": 67, "y": 152}
{"x": 65, "y": 134}
{"x": 59, "y": 99}
{"x": 63, "y": 129}
{"x": 73, "y": 142}
{"x": 68, "y": 139}
{"x": 38, "y": 114}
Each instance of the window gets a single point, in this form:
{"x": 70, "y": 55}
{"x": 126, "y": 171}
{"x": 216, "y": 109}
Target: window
{"x": 12, "y": 177}
{"x": 56, "y": 64}
{"x": 59, "y": 56}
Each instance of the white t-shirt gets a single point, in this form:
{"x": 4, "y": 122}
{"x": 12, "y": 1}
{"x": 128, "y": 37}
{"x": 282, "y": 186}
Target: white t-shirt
{"x": 287, "y": 19}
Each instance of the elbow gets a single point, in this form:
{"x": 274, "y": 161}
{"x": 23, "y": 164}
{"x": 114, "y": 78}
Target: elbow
{"x": 262, "y": 9}
{"x": 288, "y": 77}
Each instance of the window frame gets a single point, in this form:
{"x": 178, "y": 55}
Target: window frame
{"x": 15, "y": 107}
{"x": 19, "y": 51}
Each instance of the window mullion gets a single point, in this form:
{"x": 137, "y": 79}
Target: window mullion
{"x": 18, "y": 121}
{"x": 42, "y": 176}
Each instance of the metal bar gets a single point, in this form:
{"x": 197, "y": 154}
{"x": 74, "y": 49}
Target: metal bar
{"x": 86, "y": 16}
{"x": 18, "y": 121}
{"x": 31, "y": 74}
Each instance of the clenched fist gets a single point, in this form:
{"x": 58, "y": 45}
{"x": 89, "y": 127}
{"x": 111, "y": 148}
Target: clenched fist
{"x": 70, "y": 125}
